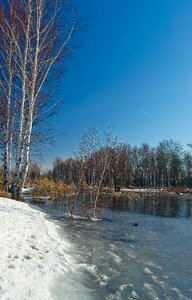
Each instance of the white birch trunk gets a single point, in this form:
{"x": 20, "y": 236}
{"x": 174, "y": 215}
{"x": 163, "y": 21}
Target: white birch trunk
{"x": 32, "y": 97}
{"x": 99, "y": 187}
{"x": 20, "y": 147}
{"x": 7, "y": 118}
{"x": 27, "y": 155}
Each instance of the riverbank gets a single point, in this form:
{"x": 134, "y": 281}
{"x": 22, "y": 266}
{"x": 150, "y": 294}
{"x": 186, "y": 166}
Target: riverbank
{"x": 32, "y": 254}
{"x": 171, "y": 191}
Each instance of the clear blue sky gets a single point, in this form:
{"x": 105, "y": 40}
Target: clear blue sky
{"x": 133, "y": 73}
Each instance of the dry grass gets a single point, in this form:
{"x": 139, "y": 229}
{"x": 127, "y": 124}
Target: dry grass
{"x": 179, "y": 190}
{"x": 3, "y": 193}
{"x": 50, "y": 188}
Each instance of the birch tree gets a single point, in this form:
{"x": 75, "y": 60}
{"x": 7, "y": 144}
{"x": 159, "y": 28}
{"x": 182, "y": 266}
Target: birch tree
{"x": 40, "y": 37}
{"x": 7, "y": 108}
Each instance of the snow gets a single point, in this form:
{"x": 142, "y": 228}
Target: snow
{"x": 135, "y": 190}
{"x": 27, "y": 190}
{"x": 32, "y": 254}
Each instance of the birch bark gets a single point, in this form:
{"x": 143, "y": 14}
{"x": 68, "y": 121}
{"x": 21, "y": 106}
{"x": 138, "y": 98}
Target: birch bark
{"x": 16, "y": 189}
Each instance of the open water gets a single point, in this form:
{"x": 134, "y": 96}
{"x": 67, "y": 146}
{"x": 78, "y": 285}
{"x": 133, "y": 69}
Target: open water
{"x": 142, "y": 250}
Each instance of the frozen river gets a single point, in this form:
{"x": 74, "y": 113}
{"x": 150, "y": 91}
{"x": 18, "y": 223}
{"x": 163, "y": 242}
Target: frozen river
{"x": 118, "y": 260}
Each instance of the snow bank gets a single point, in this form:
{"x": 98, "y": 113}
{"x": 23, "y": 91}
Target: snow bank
{"x": 32, "y": 253}
{"x": 136, "y": 190}
{"x": 27, "y": 190}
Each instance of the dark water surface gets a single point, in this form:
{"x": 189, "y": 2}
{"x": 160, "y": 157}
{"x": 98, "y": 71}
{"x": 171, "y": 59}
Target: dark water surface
{"x": 158, "y": 204}
{"x": 117, "y": 260}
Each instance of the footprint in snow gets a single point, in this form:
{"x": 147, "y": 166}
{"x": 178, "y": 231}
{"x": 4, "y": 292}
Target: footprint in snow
{"x": 34, "y": 247}
{"x": 11, "y": 266}
{"x": 27, "y": 257}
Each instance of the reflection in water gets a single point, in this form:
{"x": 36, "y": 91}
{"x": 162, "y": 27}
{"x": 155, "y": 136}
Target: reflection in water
{"x": 188, "y": 208}
{"x": 158, "y": 204}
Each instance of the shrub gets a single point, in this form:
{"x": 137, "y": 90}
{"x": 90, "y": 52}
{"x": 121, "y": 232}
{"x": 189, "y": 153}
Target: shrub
{"x": 43, "y": 188}
{"x": 3, "y": 193}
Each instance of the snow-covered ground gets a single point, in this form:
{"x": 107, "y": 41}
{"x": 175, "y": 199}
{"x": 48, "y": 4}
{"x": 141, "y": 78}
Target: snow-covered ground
{"x": 27, "y": 190}
{"x": 135, "y": 190}
{"x": 32, "y": 254}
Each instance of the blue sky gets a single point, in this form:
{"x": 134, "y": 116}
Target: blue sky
{"x": 133, "y": 73}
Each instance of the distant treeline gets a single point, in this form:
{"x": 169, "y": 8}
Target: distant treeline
{"x": 120, "y": 165}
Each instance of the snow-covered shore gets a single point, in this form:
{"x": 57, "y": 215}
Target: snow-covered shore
{"x": 32, "y": 254}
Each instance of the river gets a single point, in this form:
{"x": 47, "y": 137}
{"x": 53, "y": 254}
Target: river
{"x": 141, "y": 250}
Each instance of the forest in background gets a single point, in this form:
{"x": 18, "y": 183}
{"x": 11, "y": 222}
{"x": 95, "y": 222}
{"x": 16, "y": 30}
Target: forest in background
{"x": 120, "y": 165}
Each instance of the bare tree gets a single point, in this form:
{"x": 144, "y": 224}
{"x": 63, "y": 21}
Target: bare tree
{"x": 40, "y": 35}
{"x": 7, "y": 70}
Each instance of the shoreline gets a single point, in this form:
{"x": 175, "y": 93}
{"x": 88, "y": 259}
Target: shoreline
{"x": 32, "y": 254}
{"x": 177, "y": 191}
